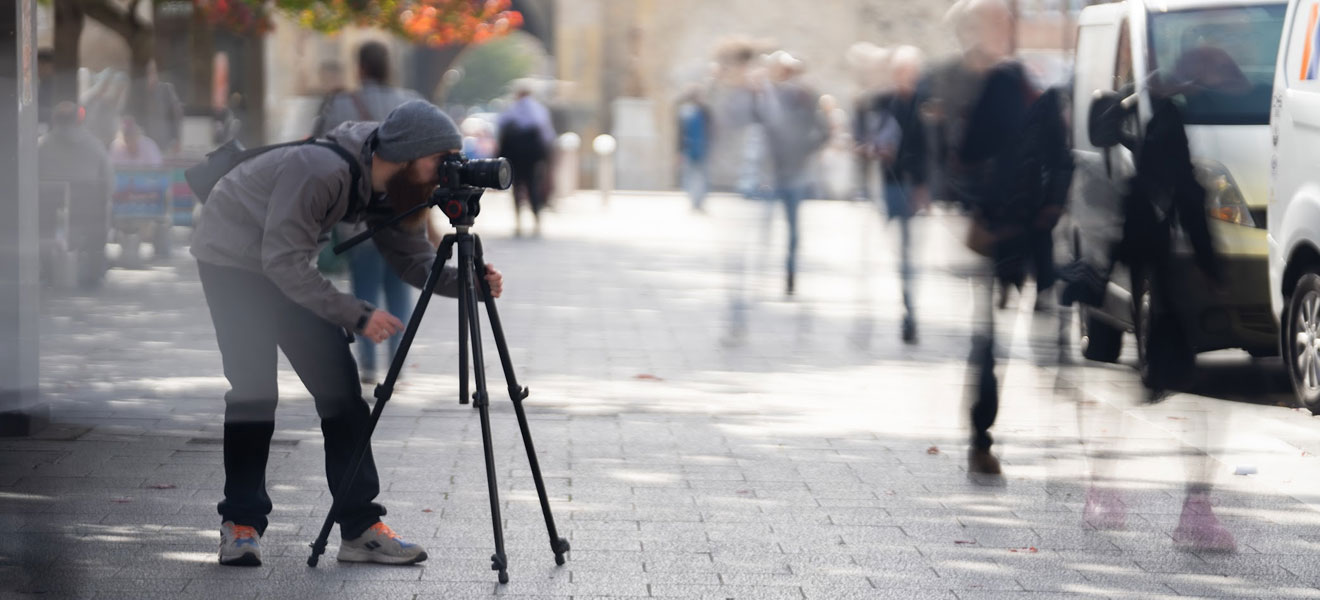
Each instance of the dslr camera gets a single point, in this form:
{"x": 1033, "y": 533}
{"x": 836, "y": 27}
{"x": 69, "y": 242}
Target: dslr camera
{"x": 463, "y": 181}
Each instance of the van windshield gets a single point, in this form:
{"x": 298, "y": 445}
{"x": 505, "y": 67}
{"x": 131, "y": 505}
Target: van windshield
{"x": 1218, "y": 62}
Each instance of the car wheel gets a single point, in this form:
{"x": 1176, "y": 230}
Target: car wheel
{"x": 1099, "y": 340}
{"x": 1302, "y": 346}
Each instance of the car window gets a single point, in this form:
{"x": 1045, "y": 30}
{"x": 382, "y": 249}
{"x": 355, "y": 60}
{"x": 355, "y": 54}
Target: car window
{"x": 1218, "y": 63}
{"x": 1124, "y": 72}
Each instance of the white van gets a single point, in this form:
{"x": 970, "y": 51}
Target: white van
{"x": 1125, "y": 52}
{"x": 1294, "y": 215}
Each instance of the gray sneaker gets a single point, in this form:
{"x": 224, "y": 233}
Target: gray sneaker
{"x": 379, "y": 544}
{"x": 239, "y": 545}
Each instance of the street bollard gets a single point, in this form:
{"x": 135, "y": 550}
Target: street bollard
{"x": 604, "y": 145}
{"x": 566, "y": 170}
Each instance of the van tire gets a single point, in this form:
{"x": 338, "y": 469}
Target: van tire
{"x": 1296, "y": 327}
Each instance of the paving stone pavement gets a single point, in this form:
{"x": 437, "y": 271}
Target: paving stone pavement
{"x": 701, "y": 436}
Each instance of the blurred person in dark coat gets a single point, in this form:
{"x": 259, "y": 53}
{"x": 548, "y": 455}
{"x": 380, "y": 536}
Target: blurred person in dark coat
{"x": 979, "y": 174}
{"x": 526, "y": 139}
{"x": 898, "y": 145}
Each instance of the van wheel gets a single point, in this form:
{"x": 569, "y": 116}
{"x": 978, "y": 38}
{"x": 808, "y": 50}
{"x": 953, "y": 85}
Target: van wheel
{"x": 1099, "y": 340}
{"x": 1301, "y": 346}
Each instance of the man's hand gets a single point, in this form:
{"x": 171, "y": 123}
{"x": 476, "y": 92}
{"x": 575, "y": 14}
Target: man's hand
{"x": 495, "y": 279}
{"x": 381, "y": 325}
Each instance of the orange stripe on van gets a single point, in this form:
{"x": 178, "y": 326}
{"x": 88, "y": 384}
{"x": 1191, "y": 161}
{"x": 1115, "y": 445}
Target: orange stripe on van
{"x": 1310, "y": 37}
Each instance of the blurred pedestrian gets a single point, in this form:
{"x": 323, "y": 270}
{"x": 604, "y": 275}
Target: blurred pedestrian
{"x": 478, "y": 138}
{"x": 694, "y": 124}
{"x": 872, "y": 64}
{"x": 69, "y": 153}
{"x": 526, "y": 140}
{"x": 133, "y": 149}
{"x": 370, "y": 274}
{"x": 980, "y": 172}
{"x": 795, "y": 131}
{"x": 331, "y": 75}
{"x": 1165, "y": 201}
{"x": 225, "y": 122}
{"x": 897, "y": 143}
{"x": 1045, "y": 171}
{"x": 161, "y": 111}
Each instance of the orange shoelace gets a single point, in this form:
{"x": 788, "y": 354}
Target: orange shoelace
{"x": 245, "y": 532}
{"x": 384, "y": 530}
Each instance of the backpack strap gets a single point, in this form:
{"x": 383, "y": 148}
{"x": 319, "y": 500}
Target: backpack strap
{"x": 354, "y": 169}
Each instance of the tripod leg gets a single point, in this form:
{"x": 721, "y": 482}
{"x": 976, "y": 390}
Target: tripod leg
{"x": 463, "y": 371}
{"x": 383, "y": 393}
{"x": 468, "y": 300}
{"x": 558, "y": 545}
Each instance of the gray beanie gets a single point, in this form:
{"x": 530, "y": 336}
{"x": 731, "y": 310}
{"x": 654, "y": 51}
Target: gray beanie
{"x": 415, "y": 129}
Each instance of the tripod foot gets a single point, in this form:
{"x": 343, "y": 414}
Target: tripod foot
{"x": 317, "y": 550}
{"x": 561, "y": 548}
{"x": 498, "y": 562}
{"x": 504, "y": 576}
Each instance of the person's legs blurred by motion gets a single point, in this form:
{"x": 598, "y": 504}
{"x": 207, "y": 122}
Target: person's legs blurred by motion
{"x": 696, "y": 182}
{"x": 867, "y": 169}
{"x": 791, "y": 196}
{"x": 1042, "y": 262}
{"x": 1198, "y": 527}
{"x": 984, "y": 385}
{"x": 538, "y": 194}
{"x": 368, "y": 273}
{"x": 899, "y": 208}
{"x": 399, "y": 301}
{"x": 521, "y": 192}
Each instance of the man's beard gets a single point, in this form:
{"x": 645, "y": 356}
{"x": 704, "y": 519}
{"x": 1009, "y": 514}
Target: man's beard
{"x": 403, "y": 195}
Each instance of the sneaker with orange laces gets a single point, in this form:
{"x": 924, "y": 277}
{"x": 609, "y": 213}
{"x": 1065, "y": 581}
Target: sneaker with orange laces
{"x": 239, "y": 545}
{"x": 379, "y": 544}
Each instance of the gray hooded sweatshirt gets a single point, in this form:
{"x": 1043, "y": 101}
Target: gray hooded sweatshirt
{"x": 271, "y": 214}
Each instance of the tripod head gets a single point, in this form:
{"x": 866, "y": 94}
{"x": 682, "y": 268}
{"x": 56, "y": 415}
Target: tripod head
{"x": 462, "y": 182}
{"x": 461, "y": 206}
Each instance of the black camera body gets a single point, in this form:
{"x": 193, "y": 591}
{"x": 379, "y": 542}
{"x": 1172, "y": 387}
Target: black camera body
{"x": 463, "y": 181}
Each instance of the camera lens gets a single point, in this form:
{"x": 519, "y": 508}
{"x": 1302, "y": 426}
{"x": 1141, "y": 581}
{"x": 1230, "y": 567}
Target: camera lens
{"x": 488, "y": 173}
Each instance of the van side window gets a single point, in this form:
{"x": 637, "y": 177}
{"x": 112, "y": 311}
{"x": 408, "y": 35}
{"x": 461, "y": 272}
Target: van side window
{"x": 1124, "y": 71}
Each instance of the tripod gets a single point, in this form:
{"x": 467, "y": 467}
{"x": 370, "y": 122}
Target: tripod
{"x": 471, "y": 271}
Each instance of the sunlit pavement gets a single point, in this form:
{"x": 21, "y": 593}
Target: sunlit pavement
{"x": 702, "y": 436}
